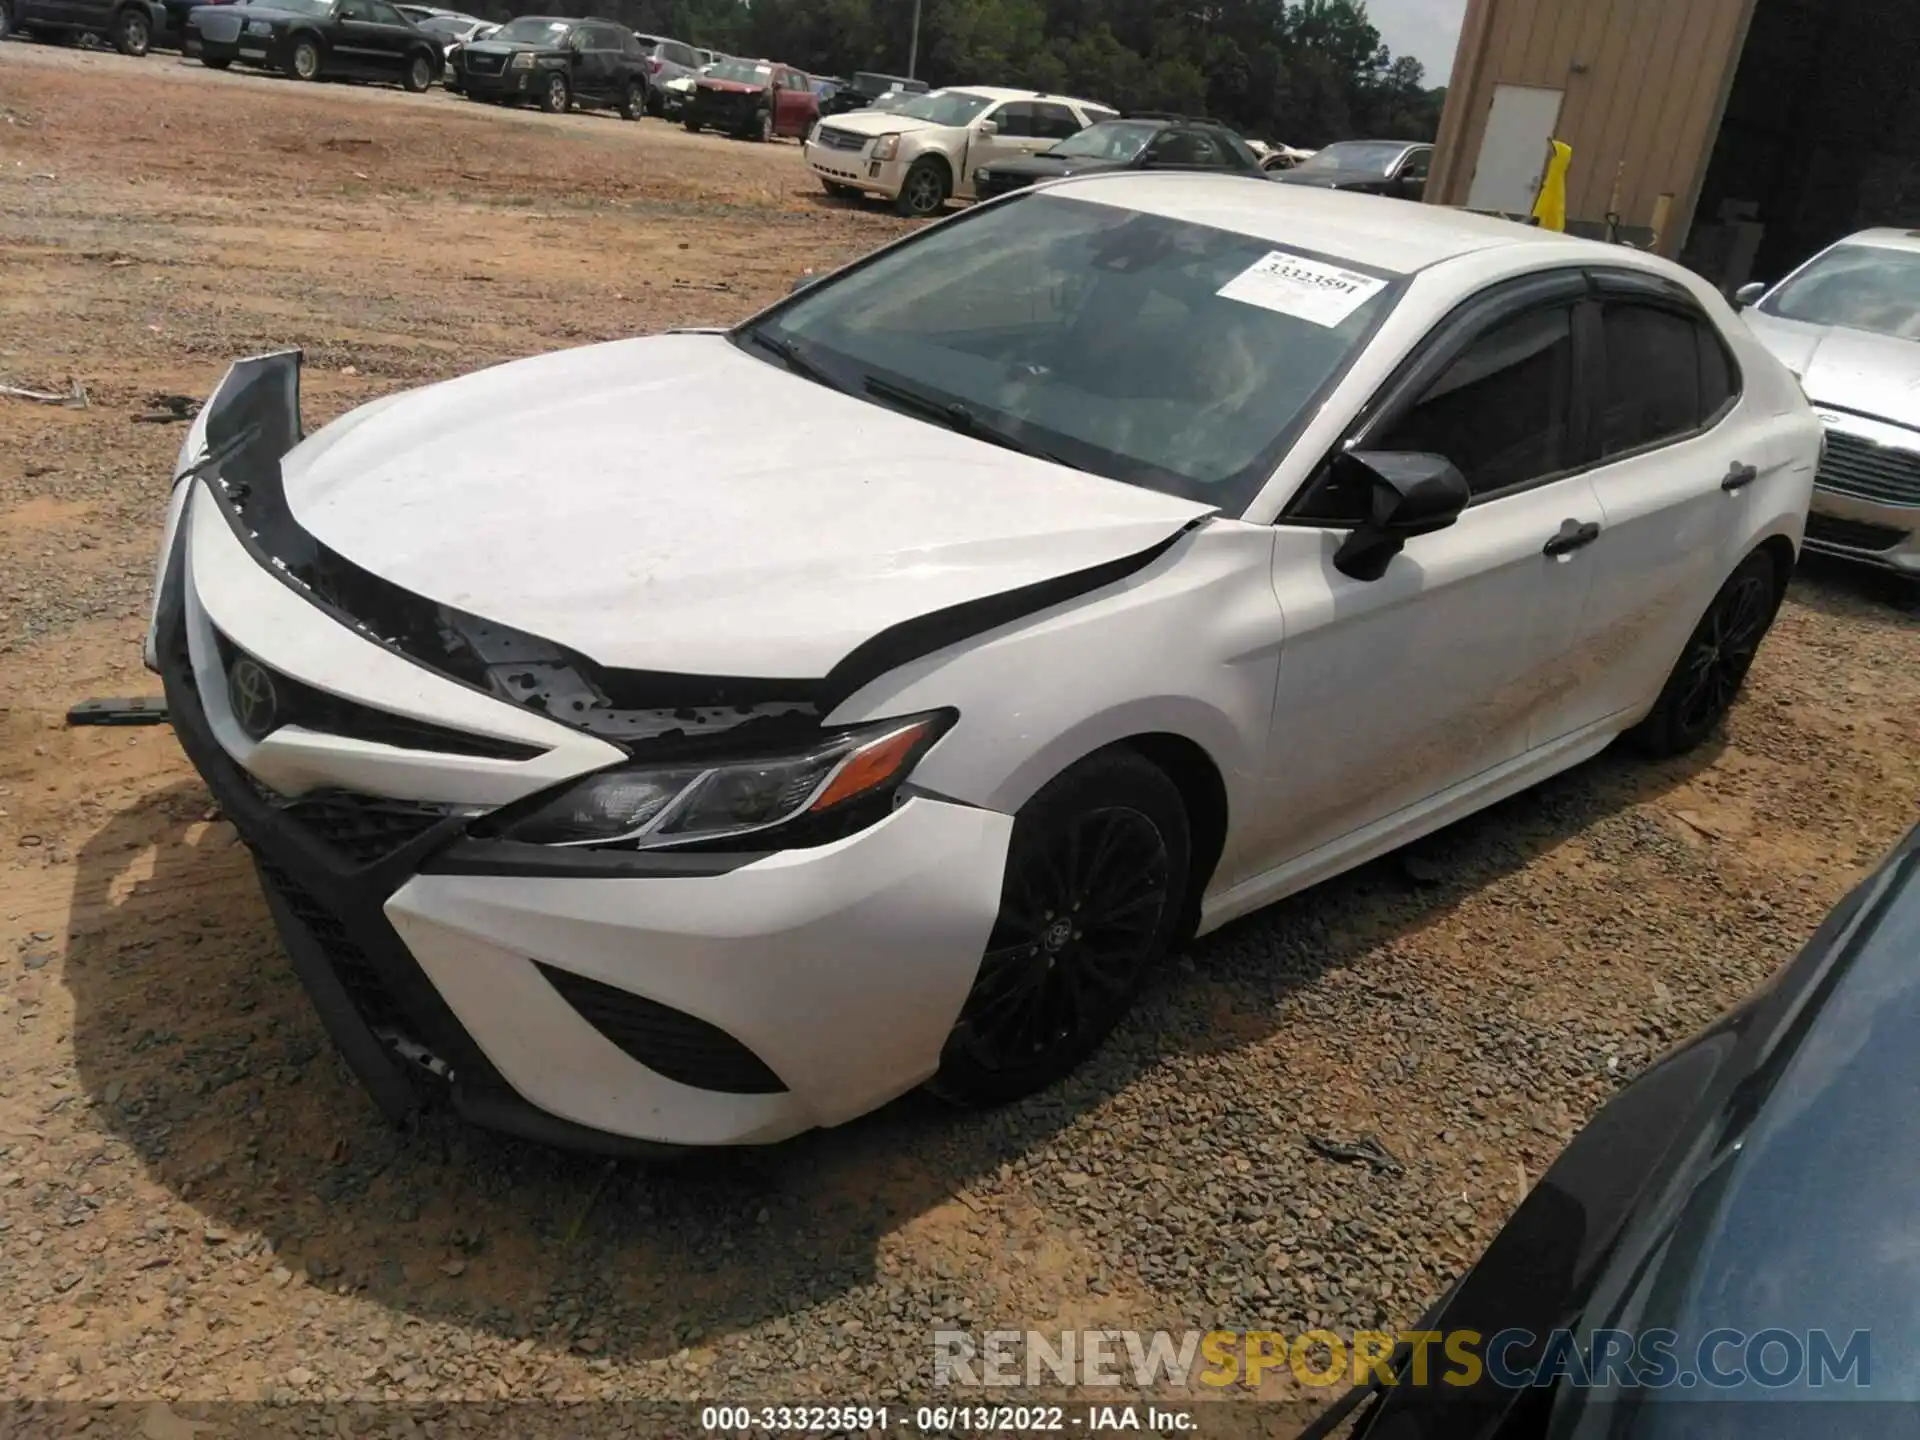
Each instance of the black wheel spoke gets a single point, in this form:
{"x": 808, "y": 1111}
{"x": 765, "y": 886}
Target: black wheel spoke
{"x": 1079, "y": 913}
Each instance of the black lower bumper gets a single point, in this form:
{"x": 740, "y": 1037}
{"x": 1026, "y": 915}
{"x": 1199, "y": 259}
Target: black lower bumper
{"x": 327, "y": 899}
{"x": 508, "y": 85}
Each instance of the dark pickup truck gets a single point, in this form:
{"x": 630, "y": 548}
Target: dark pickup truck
{"x": 556, "y": 63}
{"x": 866, "y": 87}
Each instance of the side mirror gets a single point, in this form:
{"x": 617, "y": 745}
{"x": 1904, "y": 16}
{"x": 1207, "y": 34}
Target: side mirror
{"x": 1410, "y": 494}
{"x": 988, "y": 127}
{"x": 1749, "y": 294}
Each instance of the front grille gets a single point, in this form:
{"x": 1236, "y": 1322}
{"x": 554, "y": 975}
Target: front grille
{"x": 365, "y": 829}
{"x": 668, "y": 1042}
{"x": 834, "y": 139}
{"x": 357, "y": 974}
{"x": 1852, "y": 534}
{"x": 1854, "y": 466}
{"x": 482, "y": 64}
{"x": 297, "y": 703}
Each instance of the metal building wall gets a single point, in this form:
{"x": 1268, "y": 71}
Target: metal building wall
{"x": 1644, "y": 81}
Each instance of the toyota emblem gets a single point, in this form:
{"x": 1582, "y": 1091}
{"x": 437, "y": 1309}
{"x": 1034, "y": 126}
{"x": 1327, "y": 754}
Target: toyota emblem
{"x": 256, "y": 705}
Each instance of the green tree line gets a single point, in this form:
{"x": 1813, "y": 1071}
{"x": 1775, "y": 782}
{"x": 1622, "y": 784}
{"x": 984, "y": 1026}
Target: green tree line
{"x": 1301, "y": 72}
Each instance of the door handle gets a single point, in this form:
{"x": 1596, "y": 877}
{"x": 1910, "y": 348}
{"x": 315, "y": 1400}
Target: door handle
{"x": 1573, "y": 536}
{"x": 1739, "y": 476}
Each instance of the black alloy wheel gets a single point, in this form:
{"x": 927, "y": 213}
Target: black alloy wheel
{"x": 1096, "y": 873}
{"x": 1715, "y": 663}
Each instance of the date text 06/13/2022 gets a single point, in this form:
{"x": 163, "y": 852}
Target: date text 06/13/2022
{"x": 943, "y": 1419}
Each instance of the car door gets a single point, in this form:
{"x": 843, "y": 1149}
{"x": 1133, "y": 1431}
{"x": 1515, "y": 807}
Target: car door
{"x": 1671, "y": 530}
{"x": 1426, "y": 680}
{"x": 794, "y": 108}
{"x": 393, "y": 38}
{"x": 354, "y": 43}
{"x": 1002, "y": 132}
{"x": 1410, "y": 175}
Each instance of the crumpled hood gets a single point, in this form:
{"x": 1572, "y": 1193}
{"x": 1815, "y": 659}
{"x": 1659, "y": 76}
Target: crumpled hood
{"x": 729, "y": 87}
{"x": 1333, "y": 179}
{"x": 1877, "y": 375}
{"x": 881, "y": 122}
{"x": 675, "y": 504}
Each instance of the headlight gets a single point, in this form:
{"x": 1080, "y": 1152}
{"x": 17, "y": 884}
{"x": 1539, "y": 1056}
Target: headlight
{"x": 259, "y": 27}
{"x": 648, "y": 807}
{"x": 886, "y": 147}
{"x": 522, "y": 61}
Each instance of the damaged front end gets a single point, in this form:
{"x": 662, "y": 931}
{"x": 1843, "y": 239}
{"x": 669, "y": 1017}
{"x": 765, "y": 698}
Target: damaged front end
{"x": 237, "y": 445}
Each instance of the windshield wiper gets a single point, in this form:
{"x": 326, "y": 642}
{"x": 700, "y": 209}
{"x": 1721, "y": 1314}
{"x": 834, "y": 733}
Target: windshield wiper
{"x": 956, "y": 416}
{"x": 794, "y": 358}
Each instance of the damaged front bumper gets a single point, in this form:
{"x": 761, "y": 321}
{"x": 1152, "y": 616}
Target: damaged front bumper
{"x": 593, "y": 999}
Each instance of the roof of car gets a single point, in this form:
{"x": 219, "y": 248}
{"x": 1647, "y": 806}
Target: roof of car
{"x": 1394, "y": 235}
{"x": 1887, "y": 239}
{"x": 1001, "y": 92}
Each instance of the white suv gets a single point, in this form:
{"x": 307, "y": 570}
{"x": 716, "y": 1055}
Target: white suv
{"x": 922, "y": 153}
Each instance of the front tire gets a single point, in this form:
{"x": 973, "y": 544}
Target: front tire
{"x": 694, "y": 127}
{"x": 557, "y": 97}
{"x": 303, "y": 61}
{"x": 419, "y": 77}
{"x": 1714, "y": 665}
{"x": 763, "y": 127}
{"x": 1092, "y": 900}
{"x": 924, "y": 190}
{"x": 132, "y": 32}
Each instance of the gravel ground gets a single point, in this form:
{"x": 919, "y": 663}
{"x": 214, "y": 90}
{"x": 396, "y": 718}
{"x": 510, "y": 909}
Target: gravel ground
{"x": 198, "y": 1205}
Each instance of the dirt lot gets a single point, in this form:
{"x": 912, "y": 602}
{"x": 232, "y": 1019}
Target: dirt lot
{"x": 197, "y": 1203}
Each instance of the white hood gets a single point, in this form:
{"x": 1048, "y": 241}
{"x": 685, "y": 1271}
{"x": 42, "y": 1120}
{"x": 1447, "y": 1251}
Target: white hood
{"x": 674, "y": 504}
{"x": 880, "y": 122}
{"x": 1876, "y": 375}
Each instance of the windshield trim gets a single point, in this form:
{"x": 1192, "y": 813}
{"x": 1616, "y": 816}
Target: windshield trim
{"x": 1264, "y": 465}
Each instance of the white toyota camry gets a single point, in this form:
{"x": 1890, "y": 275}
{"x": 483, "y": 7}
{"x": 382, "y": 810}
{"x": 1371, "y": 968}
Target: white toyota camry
{"x": 1061, "y": 581}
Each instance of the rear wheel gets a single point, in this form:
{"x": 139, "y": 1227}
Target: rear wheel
{"x": 1096, "y": 872}
{"x": 924, "y": 190}
{"x": 1714, "y": 665}
{"x": 634, "y": 103}
{"x": 693, "y": 125}
{"x": 132, "y": 31}
{"x": 557, "y": 95}
{"x": 419, "y": 76}
{"x": 303, "y": 61}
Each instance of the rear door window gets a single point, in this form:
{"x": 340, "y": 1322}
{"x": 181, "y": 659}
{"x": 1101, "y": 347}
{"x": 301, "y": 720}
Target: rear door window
{"x": 1054, "y": 122}
{"x": 1015, "y": 119}
{"x": 1654, "y": 379}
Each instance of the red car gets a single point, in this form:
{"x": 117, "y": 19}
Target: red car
{"x": 753, "y": 100}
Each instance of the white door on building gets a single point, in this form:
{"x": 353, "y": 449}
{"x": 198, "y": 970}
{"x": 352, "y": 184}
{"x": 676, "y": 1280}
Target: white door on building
{"x": 1513, "y": 152}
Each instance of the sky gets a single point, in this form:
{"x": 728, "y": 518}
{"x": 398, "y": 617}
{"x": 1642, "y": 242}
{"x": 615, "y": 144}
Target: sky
{"x": 1424, "y": 29}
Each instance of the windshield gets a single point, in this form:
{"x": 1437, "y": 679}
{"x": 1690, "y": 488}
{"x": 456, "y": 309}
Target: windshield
{"x": 446, "y": 25}
{"x": 893, "y": 100}
{"x": 945, "y": 107}
{"x": 741, "y": 72}
{"x": 1169, "y": 355}
{"x": 1109, "y": 140}
{"x": 1373, "y": 157}
{"x": 1861, "y": 287}
{"x": 529, "y": 31}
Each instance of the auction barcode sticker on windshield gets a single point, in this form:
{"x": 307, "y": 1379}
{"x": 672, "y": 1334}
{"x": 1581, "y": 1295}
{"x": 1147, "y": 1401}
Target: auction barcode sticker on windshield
{"x": 1295, "y": 285}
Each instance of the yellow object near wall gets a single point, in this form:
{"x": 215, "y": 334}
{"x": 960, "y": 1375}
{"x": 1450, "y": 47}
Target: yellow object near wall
{"x": 1550, "y": 206}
